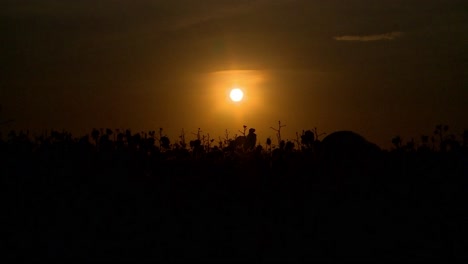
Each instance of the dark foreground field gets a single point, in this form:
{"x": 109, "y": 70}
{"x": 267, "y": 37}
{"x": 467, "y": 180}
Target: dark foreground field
{"x": 63, "y": 200}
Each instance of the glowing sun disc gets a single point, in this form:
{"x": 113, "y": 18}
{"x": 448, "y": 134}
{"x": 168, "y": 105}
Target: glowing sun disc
{"x": 236, "y": 95}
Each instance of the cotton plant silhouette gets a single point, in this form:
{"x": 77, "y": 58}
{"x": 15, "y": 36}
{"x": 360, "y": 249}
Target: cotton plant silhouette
{"x": 105, "y": 142}
{"x": 182, "y": 141}
{"x": 95, "y": 135}
{"x": 440, "y": 131}
{"x": 396, "y": 141}
{"x": 441, "y": 140}
{"x": 196, "y": 145}
{"x": 268, "y": 143}
{"x": 238, "y": 143}
{"x": 243, "y": 132}
{"x": 424, "y": 145}
{"x": 307, "y": 142}
{"x": 399, "y": 145}
{"x": 164, "y": 141}
{"x": 278, "y": 132}
{"x": 251, "y": 140}
{"x": 307, "y": 139}
{"x": 241, "y": 143}
{"x": 289, "y": 146}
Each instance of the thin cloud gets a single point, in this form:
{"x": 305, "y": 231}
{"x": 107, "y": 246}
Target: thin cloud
{"x": 376, "y": 37}
{"x": 221, "y": 11}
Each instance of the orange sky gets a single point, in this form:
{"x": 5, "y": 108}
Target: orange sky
{"x": 381, "y": 68}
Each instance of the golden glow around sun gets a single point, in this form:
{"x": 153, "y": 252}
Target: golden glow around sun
{"x": 221, "y": 103}
{"x": 236, "y": 95}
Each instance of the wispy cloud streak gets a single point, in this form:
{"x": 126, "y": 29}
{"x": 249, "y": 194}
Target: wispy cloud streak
{"x": 376, "y": 37}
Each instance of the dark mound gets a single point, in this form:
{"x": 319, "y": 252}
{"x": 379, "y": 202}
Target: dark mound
{"x": 347, "y": 146}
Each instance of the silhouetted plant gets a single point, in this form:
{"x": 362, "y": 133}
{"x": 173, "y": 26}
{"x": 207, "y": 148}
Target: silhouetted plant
{"x": 298, "y": 141}
{"x": 220, "y": 143}
{"x": 289, "y": 146}
{"x": 95, "y": 135}
{"x": 243, "y": 132}
{"x": 152, "y": 133}
{"x": 195, "y": 143}
{"x": 136, "y": 139}
{"x": 440, "y": 131}
{"x": 226, "y": 136}
{"x": 165, "y": 143}
{"x": 182, "y": 142}
{"x": 410, "y": 145}
{"x": 207, "y": 141}
{"x": 424, "y": 143}
{"x": 197, "y": 147}
{"x": 240, "y": 142}
{"x": 317, "y": 135}
{"x": 149, "y": 142}
{"x": 128, "y": 135}
{"x": 307, "y": 139}
{"x": 282, "y": 144}
{"x": 250, "y": 140}
{"x": 396, "y": 141}
{"x": 450, "y": 144}
{"x": 160, "y": 136}
{"x": 268, "y": 143}
{"x": 278, "y": 131}
{"x": 11, "y": 135}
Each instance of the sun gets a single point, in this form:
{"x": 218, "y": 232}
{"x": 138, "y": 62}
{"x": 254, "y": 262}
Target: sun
{"x": 236, "y": 95}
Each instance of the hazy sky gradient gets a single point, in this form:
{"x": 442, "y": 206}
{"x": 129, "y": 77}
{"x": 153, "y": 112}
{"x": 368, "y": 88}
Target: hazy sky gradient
{"x": 380, "y": 68}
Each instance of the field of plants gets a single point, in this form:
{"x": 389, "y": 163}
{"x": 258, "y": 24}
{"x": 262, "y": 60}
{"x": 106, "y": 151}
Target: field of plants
{"x": 117, "y": 195}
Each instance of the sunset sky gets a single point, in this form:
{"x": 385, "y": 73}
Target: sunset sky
{"x": 379, "y": 68}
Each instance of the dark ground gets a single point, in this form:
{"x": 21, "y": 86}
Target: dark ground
{"x": 69, "y": 201}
